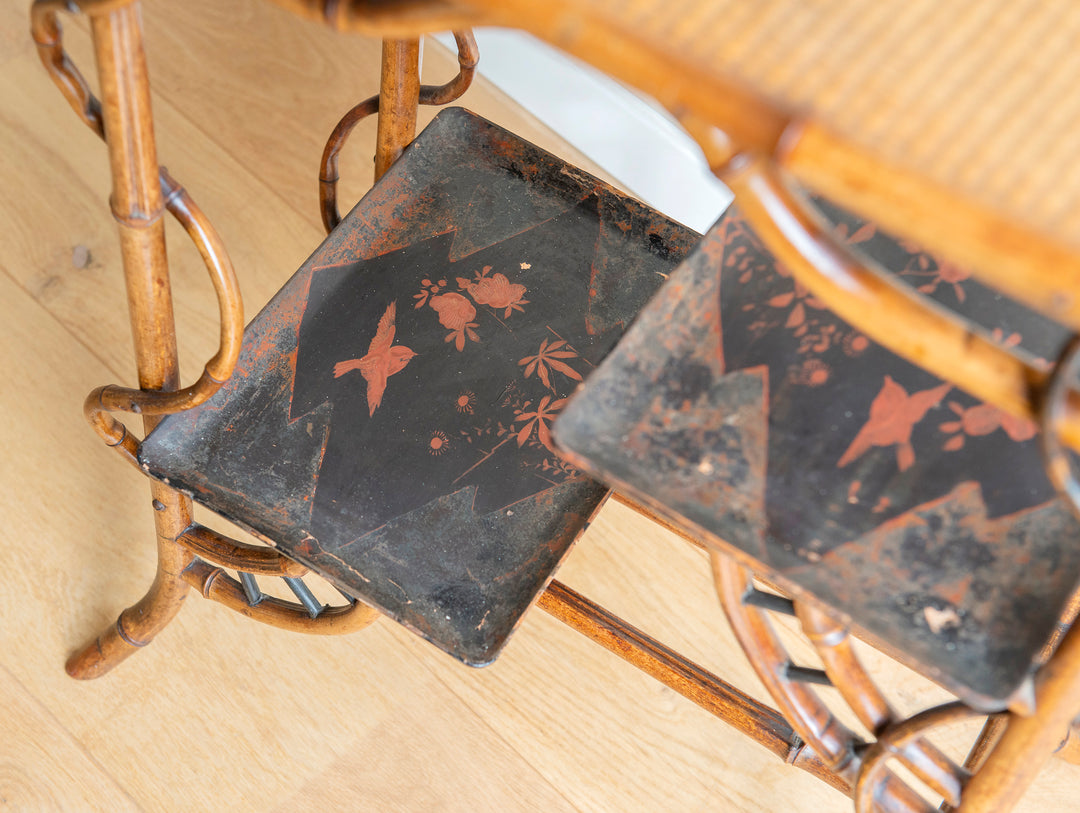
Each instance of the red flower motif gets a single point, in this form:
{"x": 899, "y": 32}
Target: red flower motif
{"x": 813, "y": 373}
{"x": 945, "y": 274}
{"x": 456, "y": 313}
{"x": 983, "y": 419}
{"x": 496, "y": 291}
{"x": 427, "y": 288}
{"x": 438, "y": 443}
{"x": 801, "y": 298}
{"x": 466, "y": 402}
{"x": 865, "y": 232}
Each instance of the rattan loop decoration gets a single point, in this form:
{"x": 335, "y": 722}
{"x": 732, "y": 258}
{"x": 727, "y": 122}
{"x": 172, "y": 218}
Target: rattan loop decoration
{"x": 145, "y": 402}
{"x": 468, "y": 57}
{"x": 800, "y": 705}
{"x": 895, "y": 742}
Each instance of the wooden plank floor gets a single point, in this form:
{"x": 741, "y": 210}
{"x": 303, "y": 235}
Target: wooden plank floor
{"x": 221, "y": 712}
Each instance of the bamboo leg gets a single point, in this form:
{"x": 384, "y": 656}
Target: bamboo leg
{"x": 1028, "y": 742}
{"x": 399, "y": 96}
{"x": 138, "y": 208}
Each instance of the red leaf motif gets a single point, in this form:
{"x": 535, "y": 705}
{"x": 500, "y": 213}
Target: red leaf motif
{"x": 544, "y": 434}
{"x": 796, "y": 317}
{"x": 564, "y": 369}
{"x": 543, "y": 370}
{"x": 523, "y": 435}
{"x": 954, "y": 443}
{"x": 783, "y": 300}
{"x": 863, "y": 234}
{"x": 547, "y": 358}
{"x": 982, "y": 420}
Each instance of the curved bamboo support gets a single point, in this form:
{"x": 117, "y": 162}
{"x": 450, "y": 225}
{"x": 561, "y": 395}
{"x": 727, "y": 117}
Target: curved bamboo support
{"x": 112, "y": 398}
{"x": 48, "y": 36}
{"x": 139, "y": 624}
{"x": 902, "y": 321}
{"x": 921, "y": 757}
{"x": 893, "y": 743}
{"x": 800, "y": 705}
{"x": 214, "y": 583}
{"x": 1028, "y": 742}
{"x": 328, "y": 169}
{"x": 221, "y": 550}
{"x": 468, "y": 57}
{"x": 807, "y": 714}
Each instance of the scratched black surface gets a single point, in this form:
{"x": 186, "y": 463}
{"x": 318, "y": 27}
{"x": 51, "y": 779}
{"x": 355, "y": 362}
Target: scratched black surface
{"x": 438, "y": 499}
{"x": 742, "y": 407}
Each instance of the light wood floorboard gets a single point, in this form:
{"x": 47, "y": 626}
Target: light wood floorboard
{"x": 224, "y": 713}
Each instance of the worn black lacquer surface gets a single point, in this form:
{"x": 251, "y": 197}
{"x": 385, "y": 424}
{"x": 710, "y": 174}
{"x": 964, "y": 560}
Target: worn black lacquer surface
{"x": 743, "y": 408}
{"x": 388, "y": 424}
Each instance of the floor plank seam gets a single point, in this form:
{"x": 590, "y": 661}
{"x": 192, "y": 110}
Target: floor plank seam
{"x": 46, "y": 712}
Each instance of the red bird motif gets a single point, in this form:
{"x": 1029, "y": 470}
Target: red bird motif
{"x": 383, "y": 359}
{"x": 893, "y": 415}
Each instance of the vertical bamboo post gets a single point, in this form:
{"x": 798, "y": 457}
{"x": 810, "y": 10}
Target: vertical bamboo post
{"x": 1028, "y": 742}
{"x": 138, "y": 207}
{"x": 399, "y": 96}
